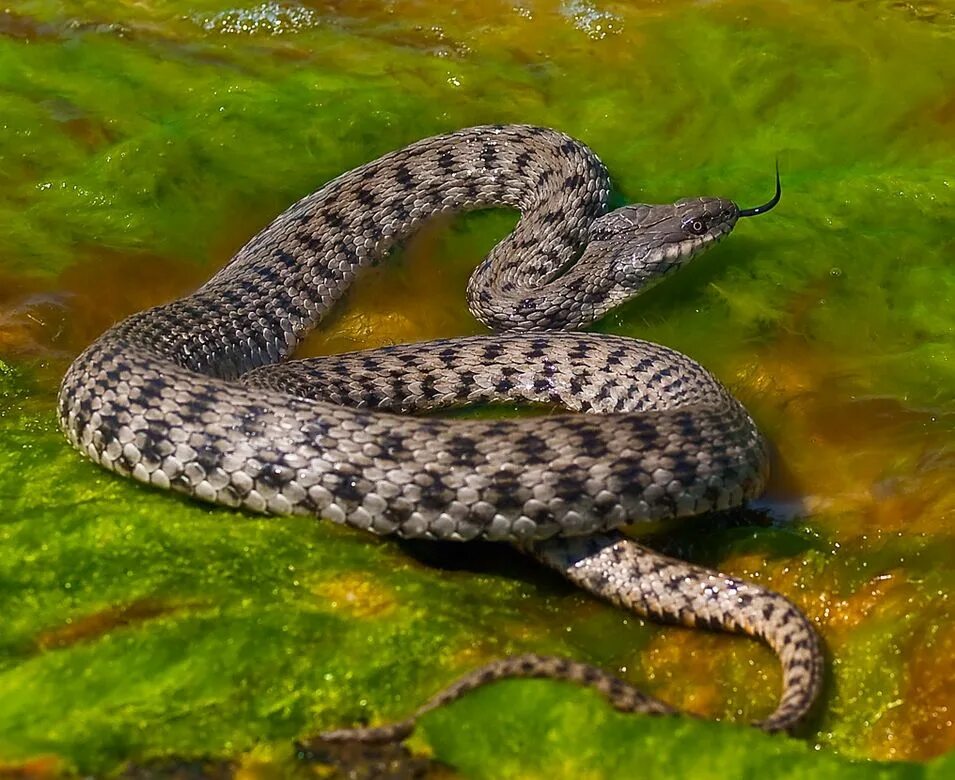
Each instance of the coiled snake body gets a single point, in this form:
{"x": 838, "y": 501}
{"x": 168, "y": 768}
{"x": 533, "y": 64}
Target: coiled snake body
{"x": 194, "y": 395}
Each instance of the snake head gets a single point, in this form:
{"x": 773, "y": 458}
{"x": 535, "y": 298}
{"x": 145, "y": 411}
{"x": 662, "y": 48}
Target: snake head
{"x": 646, "y": 241}
{"x": 699, "y": 222}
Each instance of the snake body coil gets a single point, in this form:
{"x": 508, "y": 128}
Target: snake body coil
{"x": 194, "y": 395}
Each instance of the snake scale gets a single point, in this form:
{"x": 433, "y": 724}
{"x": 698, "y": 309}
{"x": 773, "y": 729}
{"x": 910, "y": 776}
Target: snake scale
{"x": 198, "y": 396}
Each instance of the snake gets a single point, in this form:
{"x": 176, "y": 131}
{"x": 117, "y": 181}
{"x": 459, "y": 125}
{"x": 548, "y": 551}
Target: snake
{"x": 201, "y": 395}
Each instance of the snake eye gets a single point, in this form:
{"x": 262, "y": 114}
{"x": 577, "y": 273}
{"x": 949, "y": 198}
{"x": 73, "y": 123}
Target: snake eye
{"x": 695, "y": 225}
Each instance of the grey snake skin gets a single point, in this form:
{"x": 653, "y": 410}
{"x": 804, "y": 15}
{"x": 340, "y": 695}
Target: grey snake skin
{"x": 197, "y": 395}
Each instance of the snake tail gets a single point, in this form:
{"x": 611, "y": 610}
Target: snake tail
{"x": 652, "y": 585}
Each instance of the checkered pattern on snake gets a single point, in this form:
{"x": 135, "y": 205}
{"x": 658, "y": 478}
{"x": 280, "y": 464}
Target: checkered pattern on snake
{"x": 195, "y": 395}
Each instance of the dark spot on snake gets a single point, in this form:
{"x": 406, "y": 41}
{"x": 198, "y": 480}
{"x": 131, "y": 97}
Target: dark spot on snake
{"x": 364, "y": 196}
{"x": 506, "y": 488}
{"x": 616, "y": 687}
{"x": 124, "y": 464}
{"x": 492, "y": 352}
{"x": 592, "y": 444}
{"x": 578, "y": 352}
{"x": 537, "y": 348}
{"x": 568, "y": 487}
{"x": 574, "y": 181}
{"x": 615, "y": 358}
{"x": 208, "y": 457}
{"x": 561, "y": 666}
{"x": 84, "y": 406}
{"x": 232, "y": 297}
{"x": 399, "y": 511}
{"x": 264, "y": 272}
{"x": 532, "y": 444}
{"x": 313, "y": 243}
{"x": 401, "y": 212}
{"x": 334, "y": 219}
{"x": 589, "y": 675}
{"x": 712, "y": 622}
{"x": 403, "y": 175}
{"x": 459, "y": 446}
{"x": 574, "y": 285}
{"x": 446, "y": 161}
{"x": 428, "y": 389}
{"x": 790, "y": 614}
{"x": 347, "y": 489}
{"x": 392, "y": 445}
{"x": 108, "y": 428}
{"x": 521, "y": 161}
{"x": 150, "y": 453}
{"x": 503, "y": 386}
{"x": 435, "y": 498}
{"x": 193, "y": 408}
{"x": 284, "y": 258}
{"x": 569, "y": 148}
{"x": 542, "y": 516}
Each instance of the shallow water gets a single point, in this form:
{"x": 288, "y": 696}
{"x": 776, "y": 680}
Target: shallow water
{"x": 142, "y": 143}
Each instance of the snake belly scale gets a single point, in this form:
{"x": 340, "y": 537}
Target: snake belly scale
{"x": 198, "y": 396}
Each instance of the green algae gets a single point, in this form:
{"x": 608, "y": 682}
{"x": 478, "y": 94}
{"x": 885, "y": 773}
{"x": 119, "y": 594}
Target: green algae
{"x": 529, "y": 741}
{"x": 142, "y": 143}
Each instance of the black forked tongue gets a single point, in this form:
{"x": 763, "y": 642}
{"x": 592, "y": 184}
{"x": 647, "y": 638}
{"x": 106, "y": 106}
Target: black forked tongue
{"x": 768, "y": 204}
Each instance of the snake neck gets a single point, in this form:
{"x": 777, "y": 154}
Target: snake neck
{"x": 622, "y": 254}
